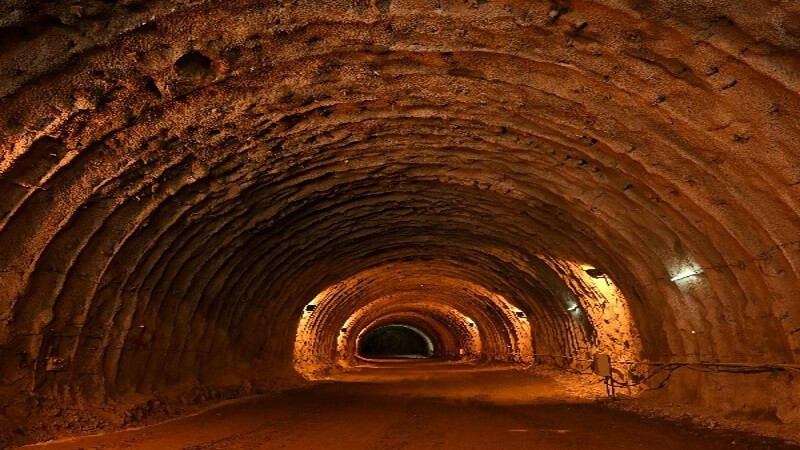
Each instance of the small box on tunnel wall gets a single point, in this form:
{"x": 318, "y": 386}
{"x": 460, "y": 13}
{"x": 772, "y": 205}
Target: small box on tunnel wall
{"x": 602, "y": 365}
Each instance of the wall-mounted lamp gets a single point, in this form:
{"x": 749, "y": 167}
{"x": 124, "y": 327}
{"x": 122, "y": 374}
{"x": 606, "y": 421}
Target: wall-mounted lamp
{"x": 688, "y": 274}
{"x": 594, "y": 273}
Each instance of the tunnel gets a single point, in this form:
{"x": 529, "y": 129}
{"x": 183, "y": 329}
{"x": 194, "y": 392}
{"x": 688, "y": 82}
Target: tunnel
{"x": 461, "y": 217}
{"x": 396, "y": 340}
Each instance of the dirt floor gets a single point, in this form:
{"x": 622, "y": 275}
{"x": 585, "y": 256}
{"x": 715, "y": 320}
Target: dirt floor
{"x": 420, "y": 406}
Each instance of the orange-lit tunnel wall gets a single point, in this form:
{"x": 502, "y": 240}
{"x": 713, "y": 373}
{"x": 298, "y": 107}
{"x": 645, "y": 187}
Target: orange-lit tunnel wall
{"x": 178, "y": 180}
{"x": 471, "y": 322}
{"x": 455, "y": 335}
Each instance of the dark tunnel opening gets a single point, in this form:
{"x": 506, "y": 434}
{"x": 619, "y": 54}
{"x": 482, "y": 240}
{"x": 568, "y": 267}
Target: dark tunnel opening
{"x": 396, "y": 341}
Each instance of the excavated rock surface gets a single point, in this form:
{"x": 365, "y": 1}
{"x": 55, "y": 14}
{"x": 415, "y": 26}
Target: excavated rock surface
{"x": 178, "y": 179}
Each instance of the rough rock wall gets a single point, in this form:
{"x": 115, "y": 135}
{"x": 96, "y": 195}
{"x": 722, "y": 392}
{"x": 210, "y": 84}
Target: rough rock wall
{"x": 459, "y": 312}
{"x": 180, "y": 178}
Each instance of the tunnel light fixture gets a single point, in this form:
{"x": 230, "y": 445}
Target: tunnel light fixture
{"x": 572, "y": 308}
{"x": 594, "y": 272}
{"x": 518, "y": 313}
{"x": 687, "y": 274}
{"x": 597, "y": 274}
{"x": 311, "y": 308}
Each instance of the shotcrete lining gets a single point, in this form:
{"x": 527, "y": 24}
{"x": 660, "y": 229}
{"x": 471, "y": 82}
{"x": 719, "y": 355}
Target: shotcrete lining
{"x": 168, "y": 222}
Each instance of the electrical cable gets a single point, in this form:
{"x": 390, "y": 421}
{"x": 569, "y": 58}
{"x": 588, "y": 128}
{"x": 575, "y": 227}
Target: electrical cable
{"x": 671, "y": 366}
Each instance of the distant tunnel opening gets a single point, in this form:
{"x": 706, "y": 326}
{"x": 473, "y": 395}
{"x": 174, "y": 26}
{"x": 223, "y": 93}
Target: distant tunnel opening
{"x": 396, "y": 341}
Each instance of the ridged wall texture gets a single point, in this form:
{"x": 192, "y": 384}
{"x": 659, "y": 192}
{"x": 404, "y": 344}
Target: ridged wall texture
{"x": 179, "y": 179}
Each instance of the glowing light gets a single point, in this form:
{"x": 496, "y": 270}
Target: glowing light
{"x": 687, "y": 274}
{"x": 593, "y": 272}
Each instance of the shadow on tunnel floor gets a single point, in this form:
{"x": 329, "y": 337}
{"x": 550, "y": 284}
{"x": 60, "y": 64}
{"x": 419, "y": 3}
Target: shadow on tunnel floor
{"x": 426, "y": 404}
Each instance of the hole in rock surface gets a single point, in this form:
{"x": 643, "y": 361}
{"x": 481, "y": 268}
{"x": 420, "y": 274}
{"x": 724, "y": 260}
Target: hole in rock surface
{"x": 407, "y": 223}
{"x": 193, "y": 65}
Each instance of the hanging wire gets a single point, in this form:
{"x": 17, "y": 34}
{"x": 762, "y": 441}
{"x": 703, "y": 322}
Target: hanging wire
{"x": 668, "y": 368}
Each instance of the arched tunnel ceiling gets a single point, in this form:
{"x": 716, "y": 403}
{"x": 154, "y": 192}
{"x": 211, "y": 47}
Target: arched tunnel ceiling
{"x": 485, "y": 323}
{"x": 181, "y": 178}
